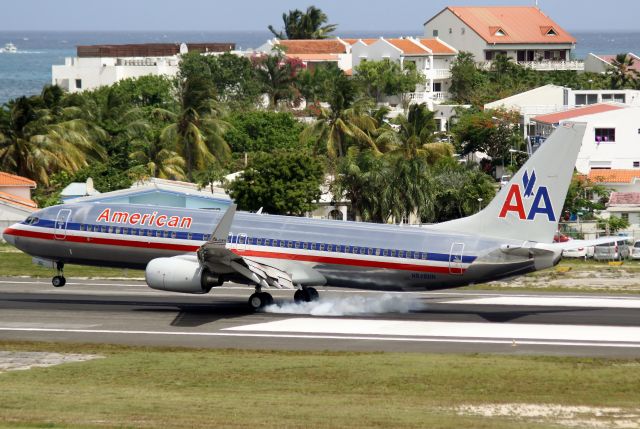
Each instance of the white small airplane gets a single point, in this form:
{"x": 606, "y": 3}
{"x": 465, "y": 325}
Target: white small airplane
{"x": 195, "y": 250}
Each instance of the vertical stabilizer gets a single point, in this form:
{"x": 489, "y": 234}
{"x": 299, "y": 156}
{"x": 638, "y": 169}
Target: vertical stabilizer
{"x": 529, "y": 206}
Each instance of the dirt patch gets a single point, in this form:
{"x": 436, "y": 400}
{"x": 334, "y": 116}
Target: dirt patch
{"x": 565, "y": 415}
{"x": 17, "y": 361}
{"x": 608, "y": 280}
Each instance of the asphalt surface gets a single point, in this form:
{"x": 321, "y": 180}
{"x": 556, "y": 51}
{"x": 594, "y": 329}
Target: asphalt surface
{"x": 127, "y": 312}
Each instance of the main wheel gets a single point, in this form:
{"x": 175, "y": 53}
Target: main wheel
{"x": 58, "y": 281}
{"x": 300, "y": 296}
{"x": 313, "y": 294}
{"x": 266, "y": 298}
{"x": 259, "y": 300}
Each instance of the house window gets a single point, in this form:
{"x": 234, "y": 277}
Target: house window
{"x": 78, "y": 83}
{"x": 605, "y": 135}
{"x": 450, "y": 30}
{"x": 437, "y": 86}
{"x": 636, "y": 164}
{"x": 435, "y": 33}
{"x": 581, "y": 99}
{"x": 625, "y": 216}
{"x": 462, "y": 30}
{"x": 488, "y": 55}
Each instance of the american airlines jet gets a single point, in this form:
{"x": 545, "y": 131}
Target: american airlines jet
{"x": 195, "y": 250}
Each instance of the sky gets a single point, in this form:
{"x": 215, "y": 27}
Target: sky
{"x": 247, "y": 15}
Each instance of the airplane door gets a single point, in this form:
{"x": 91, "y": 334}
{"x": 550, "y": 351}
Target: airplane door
{"x": 455, "y": 258}
{"x": 60, "y": 230}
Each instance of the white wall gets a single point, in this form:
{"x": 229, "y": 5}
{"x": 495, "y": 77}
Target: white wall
{"x": 620, "y": 154}
{"x": 594, "y": 64}
{"x": 96, "y": 72}
{"x": 462, "y": 37}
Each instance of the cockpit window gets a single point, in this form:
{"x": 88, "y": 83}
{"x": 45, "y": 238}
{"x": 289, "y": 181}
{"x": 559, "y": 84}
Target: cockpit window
{"x": 31, "y": 220}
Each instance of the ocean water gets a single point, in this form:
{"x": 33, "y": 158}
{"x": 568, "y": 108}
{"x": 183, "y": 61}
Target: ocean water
{"x": 25, "y": 72}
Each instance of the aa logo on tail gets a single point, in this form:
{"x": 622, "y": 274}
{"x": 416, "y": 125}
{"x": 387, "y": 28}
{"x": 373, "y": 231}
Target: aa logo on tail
{"x": 517, "y": 195}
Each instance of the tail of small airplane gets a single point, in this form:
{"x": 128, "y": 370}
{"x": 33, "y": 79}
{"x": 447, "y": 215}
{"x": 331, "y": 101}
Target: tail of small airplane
{"x": 529, "y": 206}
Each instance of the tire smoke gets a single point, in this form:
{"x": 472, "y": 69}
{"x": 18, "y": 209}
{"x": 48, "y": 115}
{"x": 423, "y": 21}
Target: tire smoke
{"x": 352, "y": 305}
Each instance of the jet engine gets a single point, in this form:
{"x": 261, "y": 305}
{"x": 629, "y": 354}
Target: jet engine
{"x": 180, "y": 274}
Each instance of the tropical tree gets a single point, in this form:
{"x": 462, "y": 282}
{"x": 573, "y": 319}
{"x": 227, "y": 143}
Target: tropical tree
{"x": 304, "y": 25}
{"x": 622, "y": 73}
{"x": 277, "y": 75}
{"x": 386, "y": 77}
{"x": 196, "y": 132}
{"x": 346, "y": 121}
{"x": 280, "y": 183}
{"x": 465, "y": 77}
{"x": 39, "y": 137}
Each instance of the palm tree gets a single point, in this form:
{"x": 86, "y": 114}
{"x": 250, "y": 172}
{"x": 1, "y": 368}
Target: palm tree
{"x": 37, "y": 141}
{"x": 158, "y": 161}
{"x": 277, "y": 77}
{"x": 622, "y": 73}
{"x": 196, "y": 132}
{"x": 304, "y": 25}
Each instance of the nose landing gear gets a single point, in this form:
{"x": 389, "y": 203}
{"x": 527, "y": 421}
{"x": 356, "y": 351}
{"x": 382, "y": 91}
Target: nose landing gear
{"x": 59, "y": 280}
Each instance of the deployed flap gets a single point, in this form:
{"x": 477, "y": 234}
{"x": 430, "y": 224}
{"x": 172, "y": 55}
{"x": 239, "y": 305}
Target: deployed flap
{"x": 272, "y": 275}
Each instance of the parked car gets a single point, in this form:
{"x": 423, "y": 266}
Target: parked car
{"x": 635, "y": 250}
{"x": 614, "y": 251}
{"x": 582, "y": 252}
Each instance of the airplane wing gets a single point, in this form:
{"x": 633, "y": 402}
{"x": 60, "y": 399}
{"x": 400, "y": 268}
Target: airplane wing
{"x": 218, "y": 258}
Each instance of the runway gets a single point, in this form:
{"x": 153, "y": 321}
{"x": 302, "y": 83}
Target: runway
{"x": 127, "y": 312}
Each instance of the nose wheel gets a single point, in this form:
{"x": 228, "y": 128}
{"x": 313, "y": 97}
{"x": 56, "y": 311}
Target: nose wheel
{"x": 59, "y": 280}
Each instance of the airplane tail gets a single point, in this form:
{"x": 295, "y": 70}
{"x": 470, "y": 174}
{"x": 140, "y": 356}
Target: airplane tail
{"x": 529, "y": 206}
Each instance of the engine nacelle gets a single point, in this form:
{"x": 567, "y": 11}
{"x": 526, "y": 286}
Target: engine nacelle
{"x": 180, "y": 274}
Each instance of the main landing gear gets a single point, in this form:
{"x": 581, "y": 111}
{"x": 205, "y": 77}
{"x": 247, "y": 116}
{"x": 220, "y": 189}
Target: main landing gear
{"x": 59, "y": 280}
{"x": 306, "y": 294}
{"x": 260, "y": 299}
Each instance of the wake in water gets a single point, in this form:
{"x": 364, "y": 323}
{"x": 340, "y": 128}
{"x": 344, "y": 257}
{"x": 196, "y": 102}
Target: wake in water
{"x": 352, "y": 305}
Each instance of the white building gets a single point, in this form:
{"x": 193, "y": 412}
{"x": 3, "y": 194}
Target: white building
{"x": 431, "y": 57}
{"x": 552, "y": 98}
{"x": 101, "y": 65}
{"x": 522, "y": 33}
{"x": 313, "y": 52}
{"x": 611, "y": 140}
{"x": 15, "y": 199}
{"x": 602, "y": 63}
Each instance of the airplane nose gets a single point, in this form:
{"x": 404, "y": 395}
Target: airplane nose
{"x": 8, "y": 237}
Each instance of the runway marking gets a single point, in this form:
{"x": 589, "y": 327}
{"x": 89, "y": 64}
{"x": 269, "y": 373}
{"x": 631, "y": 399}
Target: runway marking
{"x": 551, "y": 301}
{"x": 500, "y": 331}
{"x": 335, "y": 337}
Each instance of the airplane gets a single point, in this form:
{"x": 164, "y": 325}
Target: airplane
{"x": 196, "y": 250}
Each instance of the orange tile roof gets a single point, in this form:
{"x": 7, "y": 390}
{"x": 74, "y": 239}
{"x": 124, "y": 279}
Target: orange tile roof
{"x": 7, "y": 179}
{"x": 327, "y": 46}
{"x": 365, "y": 41}
{"x": 610, "y": 58}
{"x": 408, "y": 47}
{"x": 521, "y": 24}
{"x": 17, "y": 201}
{"x": 624, "y": 199}
{"x": 554, "y": 118}
{"x": 613, "y": 176}
{"x": 437, "y": 47}
{"x": 314, "y": 57}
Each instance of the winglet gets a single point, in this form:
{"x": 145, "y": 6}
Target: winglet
{"x": 221, "y": 232}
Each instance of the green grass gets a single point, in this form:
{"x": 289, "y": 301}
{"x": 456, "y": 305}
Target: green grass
{"x": 148, "y": 387}
{"x": 16, "y": 263}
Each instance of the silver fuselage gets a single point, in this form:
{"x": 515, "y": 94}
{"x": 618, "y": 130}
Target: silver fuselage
{"x": 349, "y": 254}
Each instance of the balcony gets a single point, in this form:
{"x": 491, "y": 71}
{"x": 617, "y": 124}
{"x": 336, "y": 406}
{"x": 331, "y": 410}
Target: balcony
{"x": 545, "y": 65}
{"x": 433, "y": 96}
{"x": 437, "y": 73}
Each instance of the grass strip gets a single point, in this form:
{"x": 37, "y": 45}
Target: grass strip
{"x": 180, "y": 388}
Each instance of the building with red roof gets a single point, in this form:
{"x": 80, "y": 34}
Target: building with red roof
{"x": 596, "y": 63}
{"x": 611, "y": 143}
{"x": 432, "y": 57}
{"x": 313, "y": 51}
{"x": 15, "y": 199}
{"x": 523, "y": 33}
